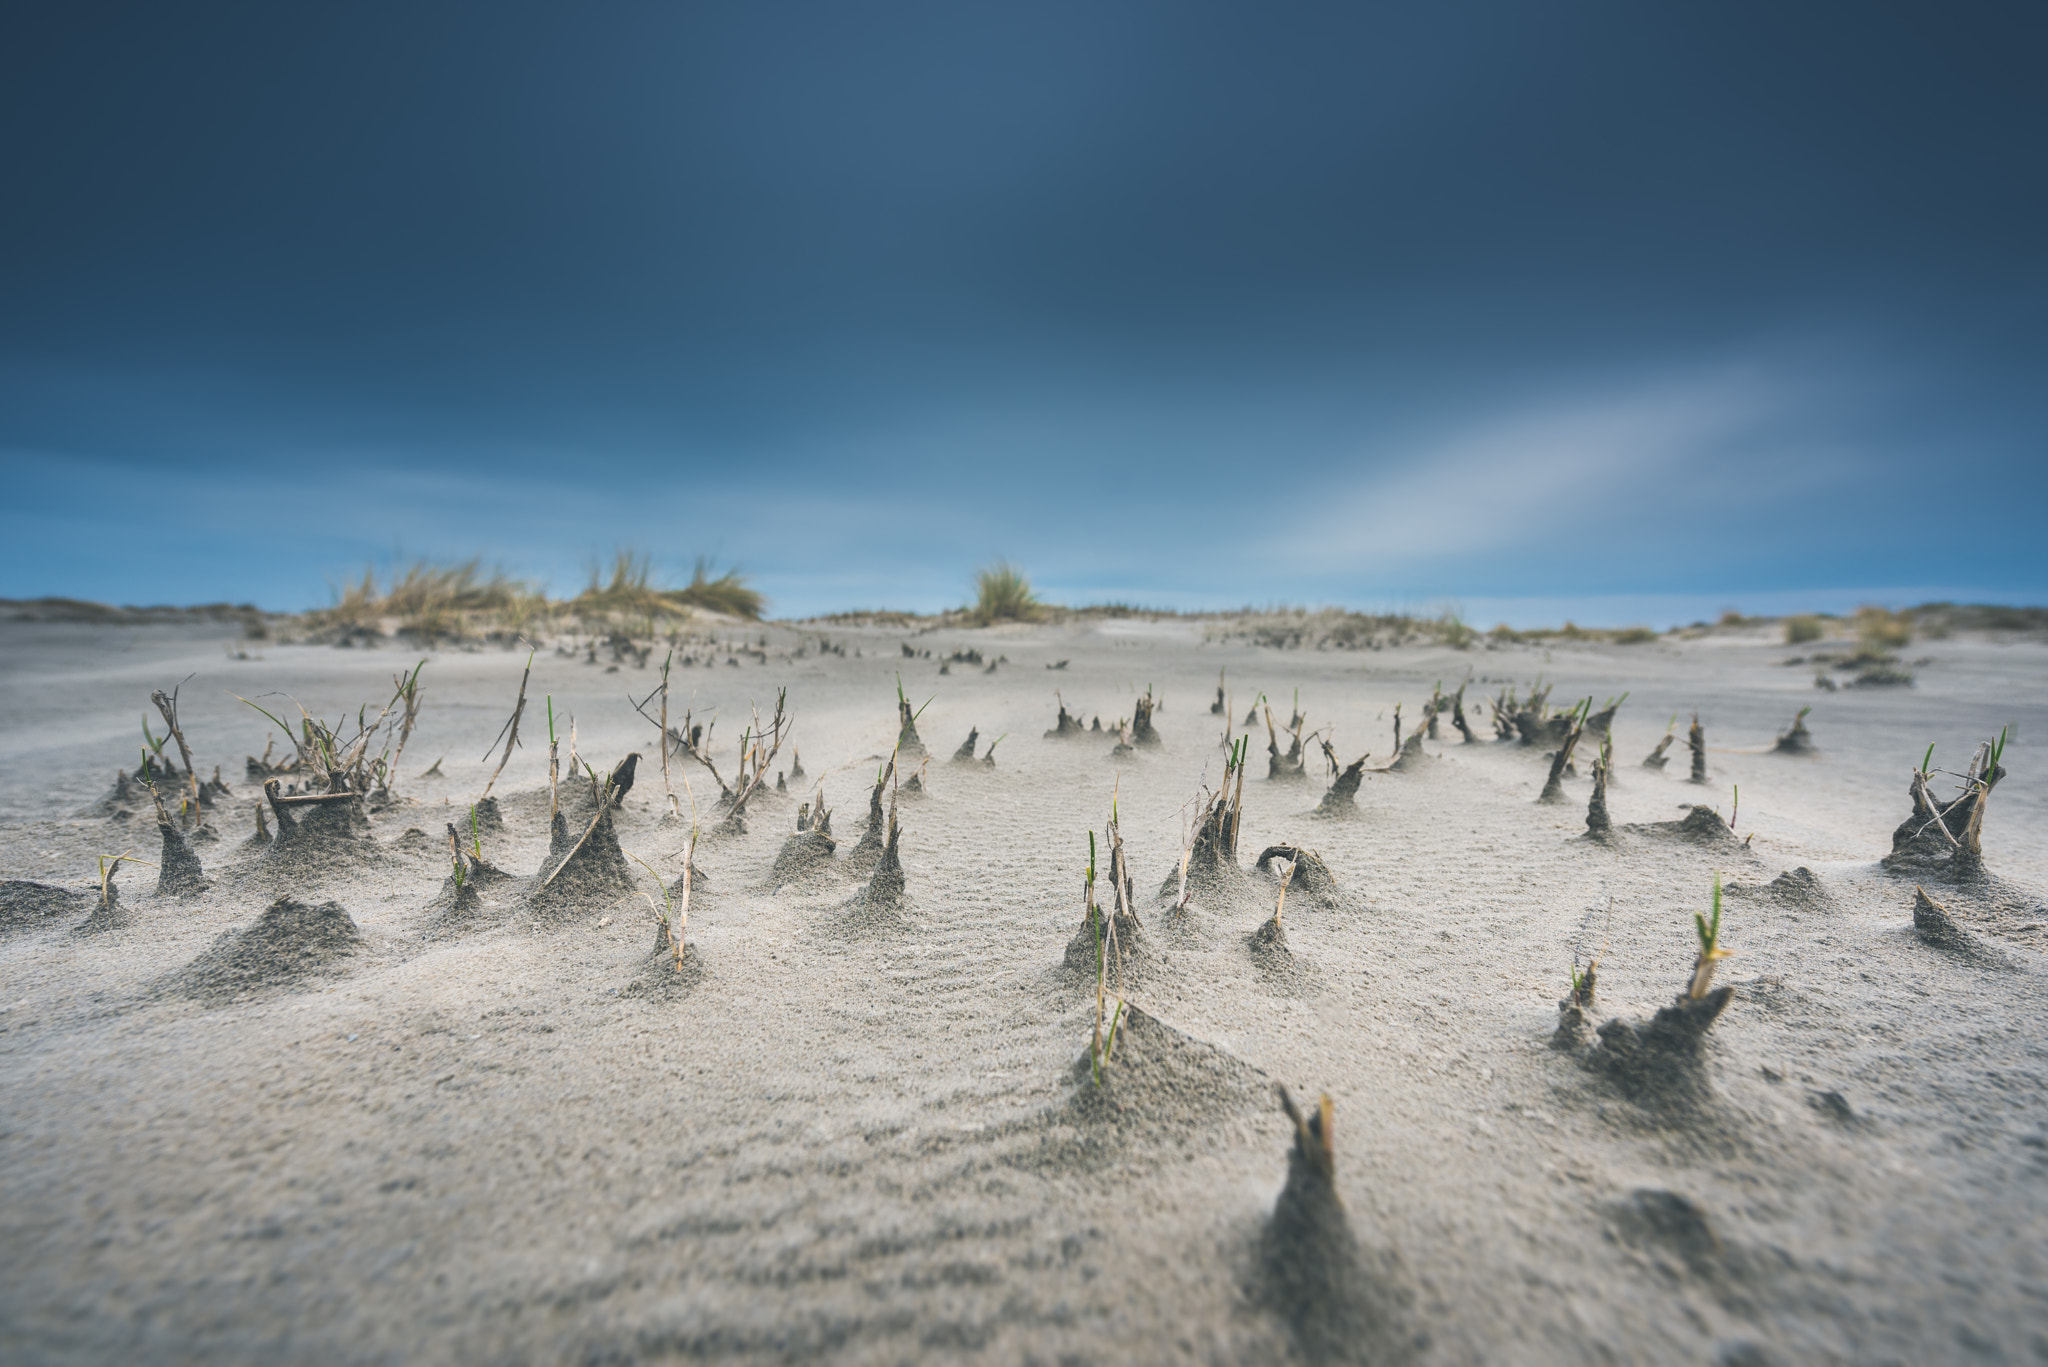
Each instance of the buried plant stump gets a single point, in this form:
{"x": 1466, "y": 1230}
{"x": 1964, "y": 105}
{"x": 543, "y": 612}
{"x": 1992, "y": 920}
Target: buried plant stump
{"x": 1560, "y": 762}
{"x": 318, "y": 833}
{"x": 1142, "y": 731}
{"x": 1307, "y": 876}
{"x": 1412, "y": 757}
{"x": 1946, "y": 839}
{"x": 1798, "y": 740}
{"x": 178, "y": 873}
{"x": 965, "y": 754}
{"x": 1342, "y": 798}
{"x": 1661, "y": 1062}
{"x": 867, "y": 851}
{"x": 1598, "y": 825}
{"x": 1340, "y": 1302}
{"x": 884, "y": 891}
{"x": 907, "y": 742}
{"x": 587, "y": 872}
{"x": 807, "y": 854}
{"x": 1068, "y": 727}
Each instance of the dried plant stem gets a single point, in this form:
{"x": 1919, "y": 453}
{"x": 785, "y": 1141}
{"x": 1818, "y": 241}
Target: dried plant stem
{"x": 680, "y": 919}
{"x": 666, "y": 787}
{"x": 554, "y": 765}
{"x": 167, "y": 704}
{"x": 409, "y": 690}
{"x": 510, "y": 731}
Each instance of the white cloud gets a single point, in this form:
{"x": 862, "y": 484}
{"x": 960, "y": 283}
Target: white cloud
{"x": 1518, "y": 482}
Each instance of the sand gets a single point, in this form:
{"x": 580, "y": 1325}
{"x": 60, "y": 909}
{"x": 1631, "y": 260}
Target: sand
{"x": 857, "y": 1133}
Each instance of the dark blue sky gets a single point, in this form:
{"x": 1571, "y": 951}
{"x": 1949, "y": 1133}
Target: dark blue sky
{"x": 1612, "y": 309}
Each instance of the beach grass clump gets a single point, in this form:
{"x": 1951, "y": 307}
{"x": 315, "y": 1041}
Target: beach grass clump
{"x": 1880, "y": 629}
{"x": 1003, "y": 594}
{"x": 729, "y": 593}
{"x": 1803, "y": 628}
{"x": 630, "y": 593}
{"x": 427, "y": 601}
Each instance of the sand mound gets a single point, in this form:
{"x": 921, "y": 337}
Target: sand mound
{"x": 1798, "y": 740}
{"x": 1933, "y": 924}
{"x": 879, "y": 905}
{"x": 459, "y": 906}
{"x": 659, "y": 977}
{"x": 122, "y": 801}
{"x": 804, "y": 860}
{"x": 290, "y": 942}
{"x": 1800, "y": 888}
{"x": 1161, "y": 1085}
{"x": 1701, "y": 825}
{"x": 25, "y": 905}
{"x": 1412, "y": 757}
{"x": 867, "y": 851}
{"x": 1069, "y": 727}
{"x": 1084, "y": 951}
{"x": 1280, "y": 971}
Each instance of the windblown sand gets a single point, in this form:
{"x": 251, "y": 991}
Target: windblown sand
{"x": 850, "y": 1140}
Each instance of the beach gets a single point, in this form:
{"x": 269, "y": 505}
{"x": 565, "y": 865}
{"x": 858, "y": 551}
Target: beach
{"x": 870, "y": 1130}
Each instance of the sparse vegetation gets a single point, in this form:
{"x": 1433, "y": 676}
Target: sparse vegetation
{"x": 1880, "y": 629}
{"x": 1003, "y": 594}
{"x": 1799, "y": 630}
{"x": 1711, "y": 953}
{"x": 630, "y": 593}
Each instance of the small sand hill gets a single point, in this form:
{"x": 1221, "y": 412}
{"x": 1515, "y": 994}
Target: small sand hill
{"x": 1160, "y": 1087}
{"x": 25, "y": 905}
{"x": 290, "y": 942}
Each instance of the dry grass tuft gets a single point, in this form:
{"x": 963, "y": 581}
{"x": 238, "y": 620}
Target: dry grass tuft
{"x": 1803, "y": 628}
{"x": 430, "y": 602}
{"x": 1003, "y": 594}
{"x": 1881, "y": 629}
{"x": 631, "y": 592}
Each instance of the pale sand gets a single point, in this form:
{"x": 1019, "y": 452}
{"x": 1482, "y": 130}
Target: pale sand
{"x": 868, "y": 1144}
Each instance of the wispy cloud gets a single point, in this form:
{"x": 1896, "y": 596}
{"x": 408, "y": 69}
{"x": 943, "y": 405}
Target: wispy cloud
{"x": 1520, "y": 482}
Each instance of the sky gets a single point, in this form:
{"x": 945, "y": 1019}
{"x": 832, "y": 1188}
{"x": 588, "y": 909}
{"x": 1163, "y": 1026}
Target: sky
{"x": 1621, "y": 312}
